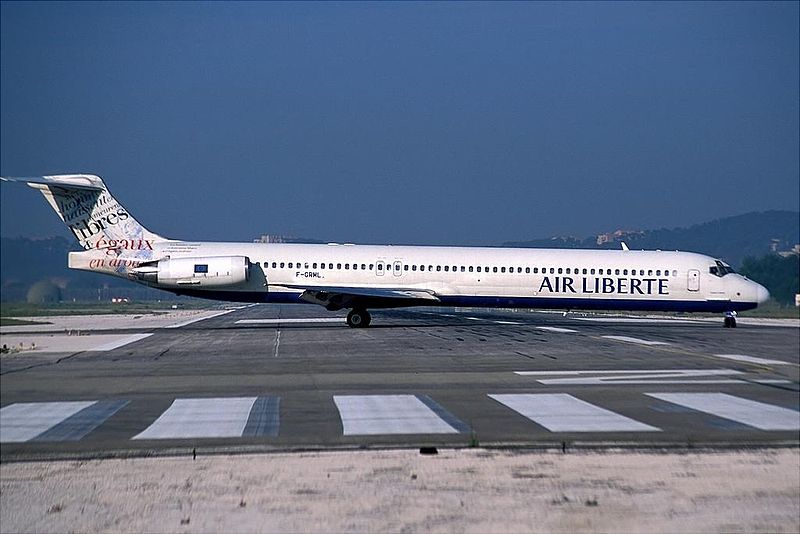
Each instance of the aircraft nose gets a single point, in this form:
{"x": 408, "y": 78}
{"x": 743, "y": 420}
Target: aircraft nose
{"x": 762, "y": 295}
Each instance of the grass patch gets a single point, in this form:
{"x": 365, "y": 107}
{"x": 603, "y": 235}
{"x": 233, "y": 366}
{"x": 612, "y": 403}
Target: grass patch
{"x": 9, "y": 321}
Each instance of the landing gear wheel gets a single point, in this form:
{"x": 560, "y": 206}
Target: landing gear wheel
{"x": 358, "y": 318}
{"x": 730, "y": 322}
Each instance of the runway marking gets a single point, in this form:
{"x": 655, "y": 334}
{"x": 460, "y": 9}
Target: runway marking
{"x": 78, "y": 425}
{"x": 633, "y": 377}
{"x": 474, "y": 318}
{"x": 364, "y": 415}
{"x": 632, "y": 320}
{"x": 556, "y": 329}
{"x": 264, "y": 418}
{"x": 27, "y": 420}
{"x": 121, "y": 342}
{"x": 203, "y": 318}
{"x": 277, "y": 342}
{"x": 752, "y": 359}
{"x": 220, "y": 417}
{"x": 636, "y": 340}
{"x": 756, "y": 414}
{"x": 507, "y": 322}
{"x": 560, "y": 412}
{"x": 288, "y": 321}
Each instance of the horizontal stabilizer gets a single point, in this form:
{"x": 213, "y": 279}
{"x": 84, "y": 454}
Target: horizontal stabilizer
{"x": 84, "y": 182}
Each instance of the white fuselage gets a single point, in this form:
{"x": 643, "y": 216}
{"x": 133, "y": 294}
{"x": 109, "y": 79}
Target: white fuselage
{"x": 463, "y": 276}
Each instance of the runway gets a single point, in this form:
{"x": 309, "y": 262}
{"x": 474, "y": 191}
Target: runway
{"x": 271, "y": 377}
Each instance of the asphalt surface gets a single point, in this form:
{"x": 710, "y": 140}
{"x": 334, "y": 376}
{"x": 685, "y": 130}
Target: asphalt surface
{"x": 418, "y": 377}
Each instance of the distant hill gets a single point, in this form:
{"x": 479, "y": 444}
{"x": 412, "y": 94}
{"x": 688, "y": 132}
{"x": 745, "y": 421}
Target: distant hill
{"x": 731, "y": 238}
{"x": 23, "y": 261}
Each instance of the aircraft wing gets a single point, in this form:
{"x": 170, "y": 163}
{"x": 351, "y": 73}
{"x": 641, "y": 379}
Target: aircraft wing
{"x": 337, "y": 297}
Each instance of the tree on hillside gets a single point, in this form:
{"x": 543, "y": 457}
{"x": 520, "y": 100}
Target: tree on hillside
{"x": 780, "y": 275}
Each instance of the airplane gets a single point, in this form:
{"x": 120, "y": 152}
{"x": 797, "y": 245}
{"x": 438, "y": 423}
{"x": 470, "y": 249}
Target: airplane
{"x": 363, "y": 277}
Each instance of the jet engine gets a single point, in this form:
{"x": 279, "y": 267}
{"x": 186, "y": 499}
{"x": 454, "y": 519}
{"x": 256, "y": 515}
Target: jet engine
{"x": 210, "y": 272}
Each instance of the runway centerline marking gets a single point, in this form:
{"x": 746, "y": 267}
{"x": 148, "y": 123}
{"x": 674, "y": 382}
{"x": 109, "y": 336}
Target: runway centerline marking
{"x": 752, "y": 359}
{"x": 363, "y": 415}
{"x": 560, "y": 412}
{"x": 636, "y": 340}
{"x": 507, "y": 322}
{"x": 632, "y": 320}
{"x": 756, "y": 414}
{"x": 556, "y": 329}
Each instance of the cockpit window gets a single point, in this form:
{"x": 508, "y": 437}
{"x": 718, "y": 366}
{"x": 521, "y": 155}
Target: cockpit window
{"x": 720, "y": 268}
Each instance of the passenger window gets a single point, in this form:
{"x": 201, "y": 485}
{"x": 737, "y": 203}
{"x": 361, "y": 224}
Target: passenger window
{"x": 658, "y": 272}
{"x": 339, "y": 266}
{"x": 446, "y": 268}
{"x": 321, "y": 265}
{"x": 413, "y": 267}
{"x": 290, "y": 265}
{"x": 396, "y": 266}
{"x": 463, "y": 269}
{"x": 616, "y": 271}
{"x": 363, "y": 266}
{"x": 494, "y": 269}
{"x": 380, "y": 266}
{"x": 591, "y": 271}
{"x": 535, "y": 270}
{"x": 405, "y": 267}
{"x": 306, "y": 265}
{"x": 674, "y": 273}
{"x": 650, "y": 272}
{"x": 560, "y": 270}
{"x": 479, "y": 268}
{"x": 569, "y": 271}
{"x": 502, "y": 269}
{"x": 438, "y": 268}
{"x": 274, "y": 264}
{"x": 625, "y": 272}
{"x": 282, "y": 264}
{"x": 330, "y": 266}
{"x": 421, "y": 267}
{"x": 371, "y": 265}
{"x": 470, "y": 268}
{"x": 585, "y": 271}
{"x": 527, "y": 270}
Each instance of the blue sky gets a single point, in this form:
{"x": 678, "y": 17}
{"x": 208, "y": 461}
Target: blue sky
{"x": 440, "y": 123}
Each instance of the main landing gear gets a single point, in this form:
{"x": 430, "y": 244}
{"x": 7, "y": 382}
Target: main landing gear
{"x": 730, "y": 319}
{"x": 358, "y": 318}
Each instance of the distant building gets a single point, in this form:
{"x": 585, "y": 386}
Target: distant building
{"x": 618, "y": 235}
{"x": 795, "y": 251}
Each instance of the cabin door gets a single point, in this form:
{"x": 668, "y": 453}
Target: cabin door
{"x": 693, "y": 283}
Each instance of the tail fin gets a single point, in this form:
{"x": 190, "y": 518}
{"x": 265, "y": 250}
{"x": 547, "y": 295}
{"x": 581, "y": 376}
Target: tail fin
{"x": 95, "y": 217}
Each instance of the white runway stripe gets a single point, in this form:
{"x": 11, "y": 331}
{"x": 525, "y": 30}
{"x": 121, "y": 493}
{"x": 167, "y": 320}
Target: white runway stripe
{"x": 224, "y": 417}
{"x": 121, "y": 342}
{"x": 24, "y": 421}
{"x": 556, "y": 329}
{"x": 290, "y": 321}
{"x": 756, "y": 414}
{"x": 388, "y": 414}
{"x": 636, "y": 340}
{"x": 633, "y": 320}
{"x": 204, "y": 317}
{"x": 559, "y": 412}
{"x": 752, "y": 359}
{"x": 507, "y": 322}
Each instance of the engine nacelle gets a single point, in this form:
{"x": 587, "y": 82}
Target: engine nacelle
{"x": 213, "y": 271}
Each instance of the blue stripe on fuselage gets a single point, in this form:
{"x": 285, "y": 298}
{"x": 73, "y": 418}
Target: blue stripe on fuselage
{"x": 714, "y": 306}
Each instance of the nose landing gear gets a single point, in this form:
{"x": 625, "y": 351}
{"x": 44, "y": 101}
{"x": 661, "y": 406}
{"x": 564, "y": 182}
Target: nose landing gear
{"x": 358, "y": 318}
{"x": 730, "y": 319}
